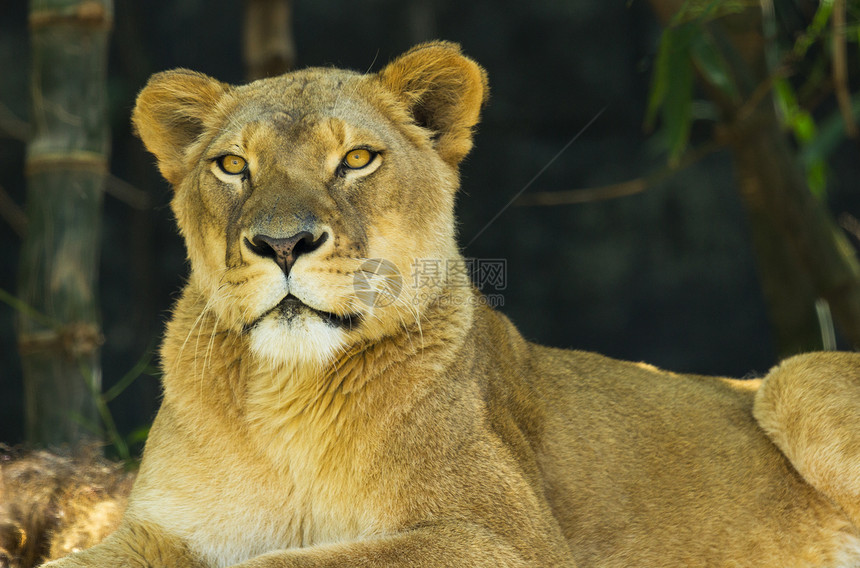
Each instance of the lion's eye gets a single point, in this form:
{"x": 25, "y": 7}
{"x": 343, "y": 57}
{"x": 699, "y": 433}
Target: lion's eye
{"x": 358, "y": 158}
{"x": 232, "y": 164}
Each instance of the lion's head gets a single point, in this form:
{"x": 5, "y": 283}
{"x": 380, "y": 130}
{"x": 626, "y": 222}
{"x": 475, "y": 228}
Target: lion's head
{"x": 305, "y": 200}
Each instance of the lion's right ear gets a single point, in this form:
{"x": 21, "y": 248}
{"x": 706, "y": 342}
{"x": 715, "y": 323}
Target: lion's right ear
{"x": 170, "y": 115}
{"x": 443, "y": 91}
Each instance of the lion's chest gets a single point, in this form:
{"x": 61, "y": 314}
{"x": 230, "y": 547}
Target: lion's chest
{"x": 235, "y": 498}
{"x": 250, "y": 516}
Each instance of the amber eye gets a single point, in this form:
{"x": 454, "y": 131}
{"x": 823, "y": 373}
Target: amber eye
{"x": 358, "y": 158}
{"x": 232, "y": 164}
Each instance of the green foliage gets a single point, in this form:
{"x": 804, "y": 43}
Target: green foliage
{"x": 802, "y": 125}
{"x": 118, "y": 444}
{"x": 815, "y": 30}
{"x": 672, "y": 90}
{"x": 26, "y": 310}
{"x": 706, "y": 10}
{"x": 685, "y": 47}
{"x": 689, "y": 45}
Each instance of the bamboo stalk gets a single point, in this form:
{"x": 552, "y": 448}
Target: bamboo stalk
{"x": 66, "y": 168}
{"x": 840, "y": 68}
{"x": 267, "y": 37}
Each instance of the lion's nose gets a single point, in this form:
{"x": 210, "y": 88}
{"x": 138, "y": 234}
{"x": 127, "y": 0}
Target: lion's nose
{"x": 285, "y": 251}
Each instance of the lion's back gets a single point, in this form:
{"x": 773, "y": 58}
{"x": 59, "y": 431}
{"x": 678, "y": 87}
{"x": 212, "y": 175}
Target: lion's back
{"x": 636, "y": 458}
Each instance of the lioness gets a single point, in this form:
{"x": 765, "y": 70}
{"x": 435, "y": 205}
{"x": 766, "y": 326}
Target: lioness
{"x": 321, "y": 411}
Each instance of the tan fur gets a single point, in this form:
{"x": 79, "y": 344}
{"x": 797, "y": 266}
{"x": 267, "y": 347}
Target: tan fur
{"x": 811, "y": 410}
{"x": 428, "y": 433}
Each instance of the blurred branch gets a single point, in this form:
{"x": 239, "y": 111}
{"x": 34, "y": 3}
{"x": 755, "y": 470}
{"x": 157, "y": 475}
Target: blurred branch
{"x": 126, "y": 192}
{"x": 840, "y": 68}
{"x": 12, "y": 126}
{"x": 587, "y": 195}
{"x": 615, "y": 190}
{"x": 12, "y": 213}
{"x": 762, "y": 90}
{"x": 850, "y": 224}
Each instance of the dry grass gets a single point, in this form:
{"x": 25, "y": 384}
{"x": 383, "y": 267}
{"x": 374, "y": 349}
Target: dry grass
{"x": 51, "y": 505}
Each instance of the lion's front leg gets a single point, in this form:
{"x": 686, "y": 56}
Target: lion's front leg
{"x": 132, "y": 546}
{"x": 450, "y": 545}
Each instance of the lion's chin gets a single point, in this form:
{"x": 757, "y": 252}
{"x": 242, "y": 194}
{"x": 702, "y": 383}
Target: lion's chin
{"x": 295, "y": 334}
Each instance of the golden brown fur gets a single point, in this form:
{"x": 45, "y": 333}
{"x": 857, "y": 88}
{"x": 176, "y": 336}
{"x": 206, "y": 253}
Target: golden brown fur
{"x": 304, "y": 423}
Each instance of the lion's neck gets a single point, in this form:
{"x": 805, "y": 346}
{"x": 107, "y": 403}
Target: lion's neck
{"x": 210, "y": 369}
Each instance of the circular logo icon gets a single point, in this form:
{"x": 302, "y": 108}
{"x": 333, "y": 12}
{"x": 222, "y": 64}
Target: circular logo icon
{"x": 377, "y": 283}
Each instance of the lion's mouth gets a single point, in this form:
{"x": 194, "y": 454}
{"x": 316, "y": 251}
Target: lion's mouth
{"x": 291, "y": 307}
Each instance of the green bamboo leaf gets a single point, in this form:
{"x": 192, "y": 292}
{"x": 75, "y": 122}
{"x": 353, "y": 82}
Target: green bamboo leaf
{"x": 711, "y": 64}
{"x": 784, "y": 96}
{"x": 705, "y": 10}
{"x": 92, "y": 378}
{"x": 803, "y": 127}
{"x": 27, "y": 310}
{"x": 816, "y": 178}
{"x": 139, "y": 368}
{"x": 659, "y": 79}
{"x": 138, "y": 436}
{"x": 87, "y": 424}
{"x": 676, "y": 108}
{"x": 815, "y": 29}
{"x": 799, "y": 120}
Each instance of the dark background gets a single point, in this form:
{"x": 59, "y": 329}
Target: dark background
{"x": 666, "y": 276}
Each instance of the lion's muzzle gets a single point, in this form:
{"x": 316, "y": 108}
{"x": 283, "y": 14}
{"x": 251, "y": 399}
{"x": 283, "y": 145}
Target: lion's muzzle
{"x": 285, "y": 251}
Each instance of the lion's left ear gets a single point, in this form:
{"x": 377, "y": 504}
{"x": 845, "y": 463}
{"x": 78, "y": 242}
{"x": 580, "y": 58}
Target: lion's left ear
{"x": 443, "y": 90}
{"x": 170, "y": 115}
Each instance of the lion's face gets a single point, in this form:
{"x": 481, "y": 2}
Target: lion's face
{"x": 299, "y": 191}
{"x": 307, "y": 200}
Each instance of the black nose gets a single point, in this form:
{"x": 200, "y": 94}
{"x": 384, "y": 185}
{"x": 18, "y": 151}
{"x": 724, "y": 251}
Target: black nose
{"x": 285, "y": 251}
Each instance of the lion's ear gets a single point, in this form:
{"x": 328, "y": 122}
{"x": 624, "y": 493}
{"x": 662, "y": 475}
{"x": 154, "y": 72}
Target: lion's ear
{"x": 171, "y": 114}
{"x": 444, "y": 91}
